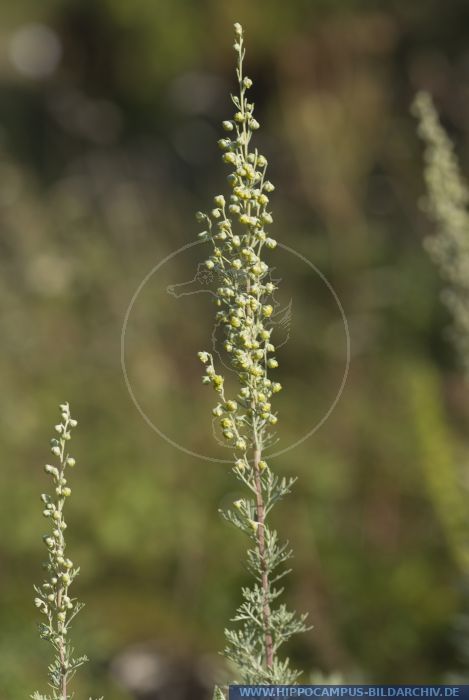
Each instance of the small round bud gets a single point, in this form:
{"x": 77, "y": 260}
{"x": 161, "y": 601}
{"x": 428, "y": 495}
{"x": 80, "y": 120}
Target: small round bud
{"x": 238, "y": 504}
{"x": 59, "y": 428}
{"x": 254, "y": 124}
{"x": 272, "y": 363}
{"x": 240, "y": 444}
{"x": 229, "y": 158}
{"x": 55, "y": 450}
{"x": 247, "y": 82}
{"x": 227, "y": 125}
{"x": 267, "y": 310}
{"x": 268, "y": 186}
{"x": 238, "y": 29}
{"x": 219, "y": 200}
{"x": 239, "y": 117}
{"x": 73, "y": 423}
{"x": 209, "y": 264}
{"x": 200, "y": 216}
{"x": 240, "y": 464}
{"x": 231, "y": 405}
{"x": 70, "y": 462}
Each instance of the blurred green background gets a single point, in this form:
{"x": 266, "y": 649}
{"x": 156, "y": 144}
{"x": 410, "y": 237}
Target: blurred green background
{"x": 109, "y": 116}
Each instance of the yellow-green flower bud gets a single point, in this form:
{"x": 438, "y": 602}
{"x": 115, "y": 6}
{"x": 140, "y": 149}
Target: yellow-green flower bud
{"x": 227, "y": 125}
{"x": 219, "y": 200}
{"x": 276, "y": 387}
{"x": 267, "y": 310}
{"x": 229, "y": 158}
{"x": 231, "y": 405}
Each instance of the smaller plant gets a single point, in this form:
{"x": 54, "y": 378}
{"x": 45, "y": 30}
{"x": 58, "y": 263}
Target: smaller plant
{"x": 53, "y": 597}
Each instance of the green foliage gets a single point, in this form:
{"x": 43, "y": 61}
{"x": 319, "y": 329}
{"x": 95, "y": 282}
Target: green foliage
{"x": 244, "y": 296}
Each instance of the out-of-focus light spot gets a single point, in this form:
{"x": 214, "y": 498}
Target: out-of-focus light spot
{"x": 197, "y": 93}
{"x": 35, "y": 51}
{"x": 193, "y": 141}
{"x": 49, "y": 275}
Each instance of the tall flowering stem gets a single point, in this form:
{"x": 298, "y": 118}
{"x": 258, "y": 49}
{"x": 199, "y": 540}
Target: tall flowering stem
{"x": 244, "y": 298}
{"x": 53, "y": 598}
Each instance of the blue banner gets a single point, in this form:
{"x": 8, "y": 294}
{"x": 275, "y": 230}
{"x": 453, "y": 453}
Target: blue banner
{"x": 348, "y": 691}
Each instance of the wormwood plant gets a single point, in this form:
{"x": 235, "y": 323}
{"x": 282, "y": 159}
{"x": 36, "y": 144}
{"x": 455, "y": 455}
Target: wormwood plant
{"x": 237, "y": 231}
{"x": 447, "y": 204}
{"x": 53, "y": 596}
